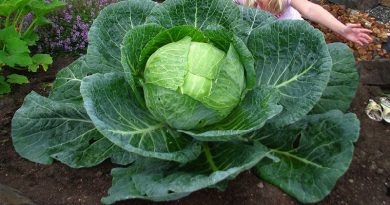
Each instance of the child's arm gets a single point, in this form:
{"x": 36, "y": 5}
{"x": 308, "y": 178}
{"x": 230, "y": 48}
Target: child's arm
{"x": 314, "y": 12}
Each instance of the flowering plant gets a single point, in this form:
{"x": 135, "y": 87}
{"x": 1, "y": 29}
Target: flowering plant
{"x": 69, "y": 30}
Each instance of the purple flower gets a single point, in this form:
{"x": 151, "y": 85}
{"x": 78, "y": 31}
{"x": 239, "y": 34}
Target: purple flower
{"x": 69, "y": 31}
{"x": 67, "y": 17}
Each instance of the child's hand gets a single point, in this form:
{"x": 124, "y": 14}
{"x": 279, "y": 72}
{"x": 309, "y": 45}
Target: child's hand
{"x": 357, "y": 34}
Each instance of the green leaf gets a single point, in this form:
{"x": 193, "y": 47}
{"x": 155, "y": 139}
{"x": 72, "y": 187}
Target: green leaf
{"x": 313, "y": 154}
{"x": 41, "y": 8}
{"x": 223, "y": 39}
{"x": 343, "y": 82}
{"x": 89, "y": 150}
{"x": 14, "y": 45}
{"x": 172, "y": 76}
{"x": 198, "y": 13}
{"x": 4, "y": 86}
{"x": 31, "y": 38}
{"x": 7, "y": 33}
{"x": 17, "y": 79}
{"x": 229, "y": 84}
{"x": 110, "y": 104}
{"x": 43, "y": 129}
{"x": 8, "y": 7}
{"x": 33, "y": 68}
{"x": 176, "y": 109}
{"x": 219, "y": 37}
{"x": 169, "y": 36}
{"x": 133, "y": 43}
{"x": 292, "y": 57}
{"x": 253, "y": 18}
{"x": 66, "y": 87}
{"x": 109, "y": 28}
{"x": 21, "y": 59}
{"x": 40, "y": 21}
{"x": 162, "y": 181}
{"x": 258, "y": 107}
{"x": 42, "y": 59}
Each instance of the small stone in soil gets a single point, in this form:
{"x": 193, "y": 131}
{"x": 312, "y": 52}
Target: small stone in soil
{"x": 350, "y": 180}
{"x": 260, "y": 185}
{"x": 379, "y": 171}
{"x": 373, "y": 166}
{"x": 99, "y": 174}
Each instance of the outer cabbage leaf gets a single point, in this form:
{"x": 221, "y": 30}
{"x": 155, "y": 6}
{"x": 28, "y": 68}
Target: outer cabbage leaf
{"x": 109, "y": 28}
{"x": 343, "y": 81}
{"x": 253, "y": 18}
{"x": 66, "y": 87}
{"x": 43, "y": 129}
{"x": 292, "y": 57}
{"x": 165, "y": 181}
{"x": 89, "y": 150}
{"x": 133, "y": 43}
{"x": 110, "y": 104}
{"x": 258, "y": 106}
{"x": 198, "y": 13}
{"x": 313, "y": 154}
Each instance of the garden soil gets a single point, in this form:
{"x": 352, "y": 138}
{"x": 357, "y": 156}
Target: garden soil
{"x": 367, "y": 181}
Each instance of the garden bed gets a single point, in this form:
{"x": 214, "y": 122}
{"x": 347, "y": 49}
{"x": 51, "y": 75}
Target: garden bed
{"x": 367, "y": 181}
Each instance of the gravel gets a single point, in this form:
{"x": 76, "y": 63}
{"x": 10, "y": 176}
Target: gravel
{"x": 381, "y": 13}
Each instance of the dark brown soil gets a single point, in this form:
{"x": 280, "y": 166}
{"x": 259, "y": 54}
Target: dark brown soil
{"x": 366, "y": 182}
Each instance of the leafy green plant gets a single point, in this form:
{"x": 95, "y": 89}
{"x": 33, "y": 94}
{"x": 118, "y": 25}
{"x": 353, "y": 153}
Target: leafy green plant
{"x": 190, "y": 93}
{"x": 17, "y": 34}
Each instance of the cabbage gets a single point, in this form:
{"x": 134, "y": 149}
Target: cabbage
{"x": 189, "y": 93}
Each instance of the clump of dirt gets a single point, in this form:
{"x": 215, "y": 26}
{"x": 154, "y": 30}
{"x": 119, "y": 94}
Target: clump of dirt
{"x": 366, "y": 182}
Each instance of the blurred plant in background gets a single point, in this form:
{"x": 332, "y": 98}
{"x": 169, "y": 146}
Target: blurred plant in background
{"x": 19, "y": 20}
{"x": 68, "y": 32}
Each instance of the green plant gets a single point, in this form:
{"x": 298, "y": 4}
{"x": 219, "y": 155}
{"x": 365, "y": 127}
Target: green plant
{"x": 190, "y": 93}
{"x": 18, "y": 20}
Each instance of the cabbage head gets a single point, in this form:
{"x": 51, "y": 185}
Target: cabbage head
{"x": 187, "y": 94}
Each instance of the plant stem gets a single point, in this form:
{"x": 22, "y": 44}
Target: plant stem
{"x": 21, "y": 25}
{"x": 7, "y": 21}
{"x": 16, "y": 19}
{"x": 209, "y": 157}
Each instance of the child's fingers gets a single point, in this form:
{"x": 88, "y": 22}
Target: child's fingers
{"x": 363, "y": 40}
{"x": 365, "y": 30}
{"x": 359, "y": 42}
{"x": 365, "y": 36}
{"x": 358, "y": 26}
{"x": 353, "y": 25}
